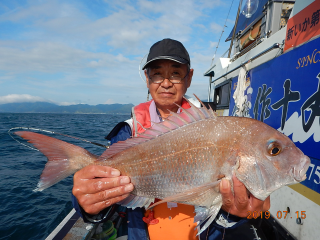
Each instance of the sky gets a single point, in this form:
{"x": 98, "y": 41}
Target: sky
{"x": 89, "y": 51}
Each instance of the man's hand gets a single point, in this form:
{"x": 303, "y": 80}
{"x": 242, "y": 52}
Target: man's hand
{"x": 242, "y": 203}
{"x": 97, "y": 187}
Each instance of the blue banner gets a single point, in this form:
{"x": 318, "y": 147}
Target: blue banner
{"x": 285, "y": 94}
{"x": 313, "y": 176}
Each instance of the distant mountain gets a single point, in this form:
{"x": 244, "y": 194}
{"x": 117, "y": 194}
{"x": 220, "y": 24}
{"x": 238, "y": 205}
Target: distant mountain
{"x": 45, "y": 107}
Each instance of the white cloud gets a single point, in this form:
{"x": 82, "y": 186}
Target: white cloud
{"x": 32, "y": 10}
{"x": 213, "y": 44}
{"x": 126, "y": 26}
{"x": 17, "y": 98}
{"x": 67, "y": 103}
{"x": 216, "y": 28}
{"x": 51, "y": 57}
{"x": 201, "y": 59}
{"x": 109, "y": 101}
{"x": 130, "y": 26}
{"x": 68, "y": 51}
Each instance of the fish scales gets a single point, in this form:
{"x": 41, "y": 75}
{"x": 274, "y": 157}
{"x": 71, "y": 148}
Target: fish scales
{"x": 176, "y": 161}
{"x": 175, "y": 157}
{"x": 184, "y": 164}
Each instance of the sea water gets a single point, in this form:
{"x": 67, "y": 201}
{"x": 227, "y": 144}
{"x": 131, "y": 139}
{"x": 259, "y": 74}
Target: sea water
{"x": 25, "y": 214}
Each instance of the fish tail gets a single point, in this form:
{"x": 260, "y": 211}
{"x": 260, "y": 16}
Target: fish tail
{"x": 64, "y": 158}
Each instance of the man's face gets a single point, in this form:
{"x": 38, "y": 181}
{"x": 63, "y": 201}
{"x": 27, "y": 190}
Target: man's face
{"x": 165, "y": 94}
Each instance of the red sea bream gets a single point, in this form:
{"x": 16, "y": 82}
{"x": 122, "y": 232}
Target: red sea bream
{"x": 183, "y": 158}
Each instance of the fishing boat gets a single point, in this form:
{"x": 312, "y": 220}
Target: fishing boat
{"x": 272, "y": 74}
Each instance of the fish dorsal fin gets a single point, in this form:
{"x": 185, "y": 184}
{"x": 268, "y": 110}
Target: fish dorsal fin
{"x": 173, "y": 122}
{"x": 123, "y": 145}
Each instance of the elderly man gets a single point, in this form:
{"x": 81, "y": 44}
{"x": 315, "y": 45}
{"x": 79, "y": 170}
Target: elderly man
{"x": 168, "y": 76}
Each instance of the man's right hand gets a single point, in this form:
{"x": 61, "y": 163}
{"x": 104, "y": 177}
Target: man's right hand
{"x": 97, "y": 187}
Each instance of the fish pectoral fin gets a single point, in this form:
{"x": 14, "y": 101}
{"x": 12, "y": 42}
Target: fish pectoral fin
{"x": 133, "y": 201}
{"x": 207, "y": 215}
{"x": 190, "y": 196}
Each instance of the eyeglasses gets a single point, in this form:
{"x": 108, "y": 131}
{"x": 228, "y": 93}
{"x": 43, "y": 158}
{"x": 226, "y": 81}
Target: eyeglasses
{"x": 175, "y": 78}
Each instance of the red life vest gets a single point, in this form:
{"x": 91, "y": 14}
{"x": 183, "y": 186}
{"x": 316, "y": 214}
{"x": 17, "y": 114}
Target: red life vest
{"x": 142, "y": 114}
{"x": 176, "y": 222}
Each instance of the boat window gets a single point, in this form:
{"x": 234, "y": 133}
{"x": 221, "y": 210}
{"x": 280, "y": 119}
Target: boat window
{"x": 222, "y": 95}
{"x": 252, "y": 35}
{"x": 285, "y": 13}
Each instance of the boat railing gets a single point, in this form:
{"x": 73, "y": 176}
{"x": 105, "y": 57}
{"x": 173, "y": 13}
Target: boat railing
{"x": 276, "y": 45}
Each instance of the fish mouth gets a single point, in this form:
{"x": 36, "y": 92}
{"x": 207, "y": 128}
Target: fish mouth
{"x": 299, "y": 172}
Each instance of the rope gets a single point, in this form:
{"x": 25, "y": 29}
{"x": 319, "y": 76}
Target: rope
{"x": 221, "y": 33}
{"x": 47, "y": 131}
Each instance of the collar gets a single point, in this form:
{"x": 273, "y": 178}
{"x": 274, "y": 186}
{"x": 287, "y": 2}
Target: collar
{"x": 155, "y": 115}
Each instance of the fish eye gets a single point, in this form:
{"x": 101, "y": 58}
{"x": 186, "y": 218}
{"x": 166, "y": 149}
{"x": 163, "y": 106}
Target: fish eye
{"x": 274, "y": 149}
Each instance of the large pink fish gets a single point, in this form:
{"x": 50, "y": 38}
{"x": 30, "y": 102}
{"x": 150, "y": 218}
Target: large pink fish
{"x": 183, "y": 158}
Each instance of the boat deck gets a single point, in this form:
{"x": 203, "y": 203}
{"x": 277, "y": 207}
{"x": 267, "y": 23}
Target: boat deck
{"x": 72, "y": 228}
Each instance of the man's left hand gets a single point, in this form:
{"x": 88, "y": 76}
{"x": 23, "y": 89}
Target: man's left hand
{"x": 241, "y": 203}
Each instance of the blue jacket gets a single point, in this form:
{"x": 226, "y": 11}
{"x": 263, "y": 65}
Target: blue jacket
{"x": 137, "y": 229}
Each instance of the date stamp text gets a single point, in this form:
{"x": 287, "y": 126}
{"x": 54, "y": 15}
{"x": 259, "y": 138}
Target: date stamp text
{"x": 280, "y": 215}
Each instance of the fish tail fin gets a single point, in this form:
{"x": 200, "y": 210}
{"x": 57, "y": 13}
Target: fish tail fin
{"x": 63, "y": 158}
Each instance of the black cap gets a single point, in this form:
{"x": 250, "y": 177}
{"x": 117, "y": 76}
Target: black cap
{"x": 168, "y": 49}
